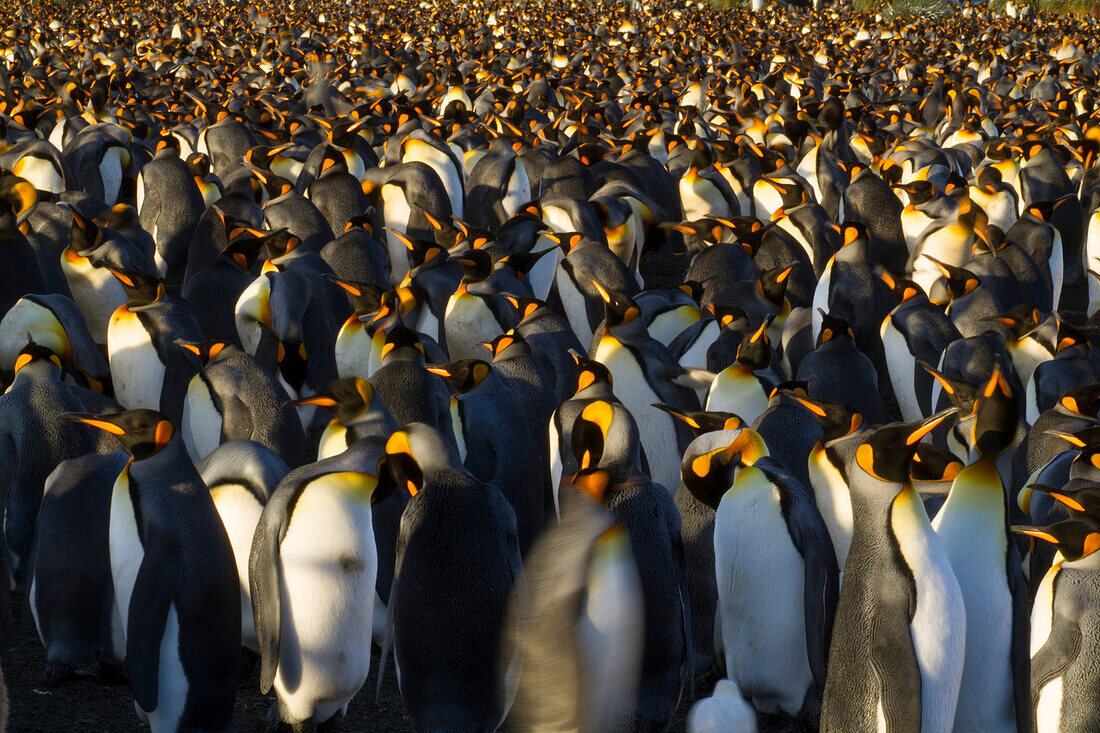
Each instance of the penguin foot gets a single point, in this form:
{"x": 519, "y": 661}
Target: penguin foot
{"x": 54, "y": 675}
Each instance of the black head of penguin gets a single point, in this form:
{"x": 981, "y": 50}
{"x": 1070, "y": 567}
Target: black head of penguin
{"x": 836, "y": 420}
{"x": 589, "y": 433}
{"x": 708, "y": 475}
{"x": 364, "y": 297}
{"x": 401, "y": 340}
{"x": 346, "y": 398}
{"x": 477, "y": 266}
{"x": 772, "y": 285}
{"x": 887, "y": 451}
{"x": 279, "y": 244}
{"x": 141, "y": 289}
{"x": 84, "y": 235}
{"x": 902, "y": 287}
{"x": 833, "y": 327}
{"x": 997, "y": 413}
{"x": 962, "y": 394}
{"x": 507, "y": 346}
{"x": 591, "y": 373}
{"x": 960, "y": 281}
{"x": 919, "y": 192}
{"x": 413, "y": 450}
{"x": 1082, "y": 502}
{"x": 933, "y": 463}
{"x": 1075, "y": 538}
{"x": 1021, "y": 319}
{"x": 17, "y": 197}
{"x": 703, "y": 421}
{"x": 463, "y": 375}
{"x": 32, "y": 353}
{"x": 1083, "y": 401}
{"x": 619, "y": 308}
{"x": 755, "y": 351}
{"x": 142, "y": 433}
{"x": 207, "y": 350}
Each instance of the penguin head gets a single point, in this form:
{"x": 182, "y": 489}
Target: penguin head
{"x": 365, "y": 298}
{"x": 960, "y": 281}
{"x": 1083, "y": 401}
{"x": 852, "y": 232}
{"x": 524, "y": 308}
{"x": 589, "y": 373}
{"x": 997, "y": 414}
{"x": 207, "y": 350}
{"x": 142, "y": 433}
{"x": 244, "y": 246}
{"x": 463, "y": 375}
{"x": 17, "y": 197}
{"x": 507, "y": 346}
{"x": 836, "y": 420}
{"x": 933, "y": 463}
{"x": 1080, "y": 501}
{"x": 32, "y": 353}
{"x": 142, "y": 290}
{"x": 903, "y": 288}
{"x": 887, "y": 451}
{"x": 477, "y": 266}
{"x": 919, "y": 192}
{"x": 348, "y": 399}
{"x": 199, "y": 165}
{"x": 1082, "y": 439}
{"x": 711, "y": 462}
{"x": 772, "y": 285}
{"x": 619, "y": 308}
{"x": 702, "y": 422}
{"x": 1075, "y": 539}
{"x": 833, "y": 328}
{"x": 411, "y": 451}
{"x": 755, "y": 350}
{"x": 590, "y": 431}
{"x": 167, "y": 146}
{"x": 84, "y": 235}
{"x": 402, "y": 340}
{"x": 279, "y": 244}
{"x": 1021, "y": 319}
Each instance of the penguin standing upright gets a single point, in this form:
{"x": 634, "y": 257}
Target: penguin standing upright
{"x": 900, "y": 631}
{"x": 71, "y": 595}
{"x": 311, "y": 572}
{"x": 777, "y": 588}
{"x": 169, "y": 204}
{"x": 176, "y": 589}
{"x": 1064, "y": 644}
{"x": 458, "y": 563}
{"x": 583, "y": 626}
{"x": 973, "y": 526}
{"x": 32, "y": 442}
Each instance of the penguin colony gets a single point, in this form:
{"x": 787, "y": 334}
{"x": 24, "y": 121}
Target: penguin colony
{"x": 564, "y": 356}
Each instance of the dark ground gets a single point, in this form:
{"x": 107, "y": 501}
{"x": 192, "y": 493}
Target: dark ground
{"x": 85, "y": 704}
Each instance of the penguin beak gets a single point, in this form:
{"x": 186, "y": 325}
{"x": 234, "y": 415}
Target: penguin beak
{"x": 1036, "y": 533}
{"x": 317, "y": 400}
{"x": 603, "y": 293}
{"x": 1058, "y": 496}
{"x": 441, "y": 371}
{"x": 96, "y": 421}
{"x": 929, "y": 425}
{"x": 1068, "y": 437}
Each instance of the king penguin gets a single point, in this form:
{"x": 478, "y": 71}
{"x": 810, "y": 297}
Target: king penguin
{"x": 900, "y": 632}
{"x": 312, "y": 570}
{"x": 175, "y": 579}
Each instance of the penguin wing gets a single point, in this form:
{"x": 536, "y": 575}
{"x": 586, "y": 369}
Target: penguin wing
{"x": 820, "y": 585}
{"x": 894, "y": 658}
{"x": 263, "y": 580}
{"x": 1056, "y": 655}
{"x": 1020, "y": 655}
{"x": 158, "y": 580}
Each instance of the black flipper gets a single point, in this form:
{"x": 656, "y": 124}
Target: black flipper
{"x": 158, "y": 580}
{"x": 1056, "y": 655}
{"x": 894, "y": 659}
{"x": 263, "y": 581}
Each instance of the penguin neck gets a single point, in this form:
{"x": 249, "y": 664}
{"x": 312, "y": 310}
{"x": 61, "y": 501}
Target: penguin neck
{"x": 163, "y": 467}
{"x": 632, "y": 331}
{"x": 977, "y": 487}
{"x": 1090, "y": 562}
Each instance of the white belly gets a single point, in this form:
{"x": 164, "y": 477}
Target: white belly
{"x": 40, "y": 172}
{"x": 760, "y": 579}
{"x": 329, "y": 565}
{"x": 975, "y": 543}
{"x": 740, "y": 394}
{"x": 240, "y": 512}
{"x": 28, "y": 318}
{"x": 834, "y": 501}
{"x": 202, "y": 423}
{"x": 469, "y": 322}
{"x": 136, "y": 370}
{"x": 252, "y": 309}
{"x": 171, "y": 680}
{"x": 353, "y": 351}
{"x": 96, "y": 292}
{"x": 441, "y": 163}
{"x": 110, "y": 171}
{"x": 1048, "y": 712}
{"x": 573, "y": 302}
{"x": 126, "y": 554}
{"x": 938, "y": 626}
{"x": 901, "y": 365}
{"x": 396, "y": 212}
{"x": 518, "y": 192}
